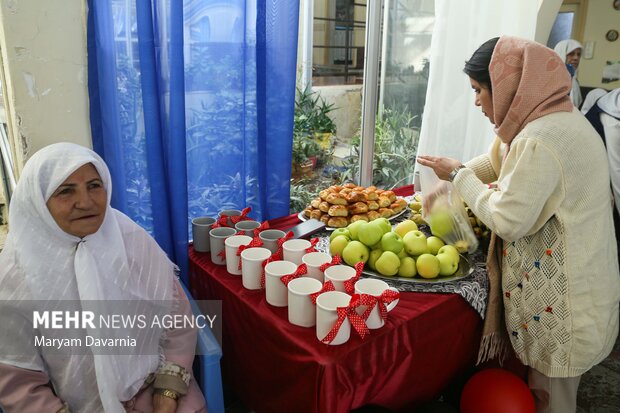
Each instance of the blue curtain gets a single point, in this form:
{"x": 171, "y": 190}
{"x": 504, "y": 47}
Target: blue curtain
{"x": 192, "y": 108}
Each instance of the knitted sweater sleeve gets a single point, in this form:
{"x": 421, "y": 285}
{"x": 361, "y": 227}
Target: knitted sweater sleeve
{"x": 481, "y": 165}
{"x": 528, "y": 193}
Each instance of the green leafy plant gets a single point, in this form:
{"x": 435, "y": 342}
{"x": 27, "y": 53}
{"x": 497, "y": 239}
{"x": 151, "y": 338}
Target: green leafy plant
{"x": 396, "y": 145}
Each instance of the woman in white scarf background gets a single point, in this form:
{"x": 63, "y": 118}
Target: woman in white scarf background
{"x": 570, "y": 51}
{"x": 65, "y": 243}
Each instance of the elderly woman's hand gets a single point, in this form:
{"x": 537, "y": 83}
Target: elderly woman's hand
{"x": 163, "y": 404}
{"x": 442, "y": 166}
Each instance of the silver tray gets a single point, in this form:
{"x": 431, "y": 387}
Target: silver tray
{"x": 463, "y": 271}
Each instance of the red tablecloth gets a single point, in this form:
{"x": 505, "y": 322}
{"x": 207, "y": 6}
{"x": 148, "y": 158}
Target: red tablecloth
{"x": 274, "y": 366}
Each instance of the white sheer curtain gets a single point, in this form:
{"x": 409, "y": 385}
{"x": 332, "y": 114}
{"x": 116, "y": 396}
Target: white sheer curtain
{"x": 451, "y": 125}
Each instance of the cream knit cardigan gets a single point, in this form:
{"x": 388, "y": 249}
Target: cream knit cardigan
{"x": 553, "y": 209}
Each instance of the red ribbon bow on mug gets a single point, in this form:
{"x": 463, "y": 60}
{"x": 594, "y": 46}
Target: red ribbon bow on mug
{"x": 263, "y": 226}
{"x": 242, "y": 217}
{"x": 256, "y": 242}
{"x": 327, "y": 286}
{"x": 349, "y": 285}
{"x": 385, "y": 298}
{"x": 335, "y": 261}
{"x": 301, "y": 270}
{"x": 312, "y": 247}
{"x": 358, "y": 323}
{"x": 281, "y": 241}
{"x": 272, "y": 258}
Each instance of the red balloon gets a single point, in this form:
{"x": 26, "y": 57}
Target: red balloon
{"x": 496, "y": 391}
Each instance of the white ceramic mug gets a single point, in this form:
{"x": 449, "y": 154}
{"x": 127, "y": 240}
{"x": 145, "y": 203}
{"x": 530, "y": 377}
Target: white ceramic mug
{"x": 247, "y": 227}
{"x": 275, "y": 290}
{"x": 232, "y": 244}
{"x": 252, "y": 266}
{"x": 229, "y": 213}
{"x": 301, "y": 310}
{"x": 295, "y": 249}
{"x": 270, "y": 238}
{"x": 338, "y": 274}
{"x": 217, "y": 237}
{"x": 327, "y": 314}
{"x": 200, "y": 233}
{"x": 374, "y": 287}
{"x": 313, "y": 261}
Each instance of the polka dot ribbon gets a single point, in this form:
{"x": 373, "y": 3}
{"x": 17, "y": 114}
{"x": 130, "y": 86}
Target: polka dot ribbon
{"x": 349, "y": 285}
{"x": 301, "y": 270}
{"x": 385, "y": 298}
{"x": 312, "y": 247}
{"x": 335, "y": 261}
{"x": 242, "y": 217}
{"x": 256, "y": 242}
{"x": 281, "y": 241}
{"x": 327, "y": 286}
{"x": 272, "y": 258}
{"x": 358, "y": 323}
{"x": 263, "y": 226}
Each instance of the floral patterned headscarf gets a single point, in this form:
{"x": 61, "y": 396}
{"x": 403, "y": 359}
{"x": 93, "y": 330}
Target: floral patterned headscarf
{"x": 528, "y": 81}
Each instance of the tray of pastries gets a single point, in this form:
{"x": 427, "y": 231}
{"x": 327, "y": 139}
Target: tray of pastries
{"x": 340, "y": 205}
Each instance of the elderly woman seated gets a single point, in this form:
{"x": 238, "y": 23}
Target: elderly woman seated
{"x": 66, "y": 245}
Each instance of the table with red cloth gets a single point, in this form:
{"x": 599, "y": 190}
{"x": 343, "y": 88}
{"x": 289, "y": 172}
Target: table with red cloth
{"x": 274, "y": 366}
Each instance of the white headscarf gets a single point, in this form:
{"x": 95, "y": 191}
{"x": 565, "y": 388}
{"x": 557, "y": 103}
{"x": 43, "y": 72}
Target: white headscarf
{"x": 42, "y": 262}
{"x": 591, "y": 99}
{"x": 610, "y": 103}
{"x": 563, "y": 48}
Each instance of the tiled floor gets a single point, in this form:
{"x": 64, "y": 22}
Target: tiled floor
{"x": 599, "y": 390}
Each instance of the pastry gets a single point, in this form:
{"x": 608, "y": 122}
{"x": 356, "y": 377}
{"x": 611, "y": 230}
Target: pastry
{"x": 336, "y": 199}
{"x": 337, "y": 222}
{"x": 338, "y": 211}
{"x": 358, "y": 217}
{"x": 358, "y": 208}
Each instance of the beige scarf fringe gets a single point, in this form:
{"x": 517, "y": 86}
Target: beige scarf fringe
{"x": 494, "y": 342}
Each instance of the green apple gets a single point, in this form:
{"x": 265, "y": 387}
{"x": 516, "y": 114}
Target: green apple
{"x": 461, "y": 246}
{"x": 427, "y": 266}
{"x": 434, "y": 243}
{"x": 385, "y": 224}
{"x": 373, "y": 257}
{"x": 417, "y": 218}
{"x": 441, "y": 222}
{"x": 336, "y": 246}
{"x": 370, "y": 233}
{"x": 388, "y": 263}
{"x": 449, "y": 249}
{"x": 354, "y": 228}
{"x": 407, "y": 267}
{"x": 447, "y": 264}
{"x": 415, "y": 243}
{"x": 391, "y": 241}
{"x": 355, "y": 252}
{"x": 415, "y": 205}
{"x": 403, "y": 253}
{"x": 340, "y": 231}
{"x": 405, "y": 226}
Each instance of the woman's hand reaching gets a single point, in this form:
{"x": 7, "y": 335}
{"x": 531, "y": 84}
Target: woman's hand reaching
{"x": 163, "y": 404}
{"x": 442, "y": 166}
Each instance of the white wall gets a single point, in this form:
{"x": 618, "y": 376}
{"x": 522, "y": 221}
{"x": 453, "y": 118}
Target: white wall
{"x": 601, "y": 18}
{"x": 44, "y": 57}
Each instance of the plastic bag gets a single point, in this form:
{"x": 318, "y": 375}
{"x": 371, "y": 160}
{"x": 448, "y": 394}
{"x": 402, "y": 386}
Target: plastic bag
{"x": 444, "y": 211}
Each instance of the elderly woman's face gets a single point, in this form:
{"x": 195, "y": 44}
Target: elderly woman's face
{"x": 78, "y": 205}
{"x": 484, "y": 98}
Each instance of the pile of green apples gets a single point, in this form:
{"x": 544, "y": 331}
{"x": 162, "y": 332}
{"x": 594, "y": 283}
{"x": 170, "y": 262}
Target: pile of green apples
{"x": 402, "y": 251}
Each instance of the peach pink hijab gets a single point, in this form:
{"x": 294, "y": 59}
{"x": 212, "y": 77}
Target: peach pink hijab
{"x": 528, "y": 81}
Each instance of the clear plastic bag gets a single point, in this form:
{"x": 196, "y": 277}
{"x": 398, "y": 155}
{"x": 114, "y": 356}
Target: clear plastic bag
{"x": 444, "y": 211}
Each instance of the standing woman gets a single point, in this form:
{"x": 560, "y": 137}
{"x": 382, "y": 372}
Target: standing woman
{"x": 553, "y": 251}
{"x": 570, "y": 51}
{"x": 67, "y": 245}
